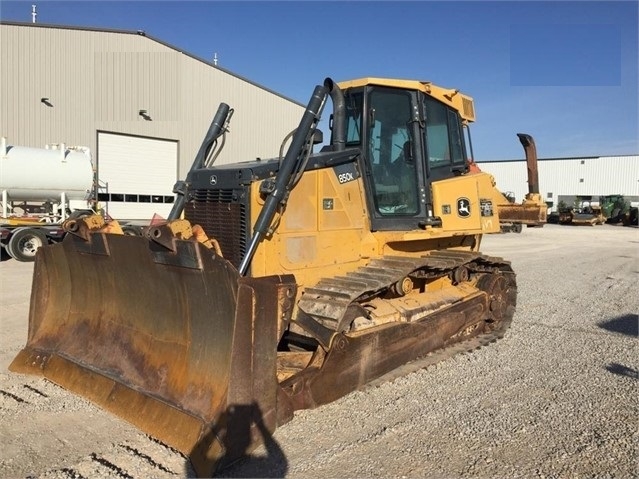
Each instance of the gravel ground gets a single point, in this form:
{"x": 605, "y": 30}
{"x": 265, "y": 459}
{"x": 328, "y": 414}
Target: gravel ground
{"x": 557, "y": 397}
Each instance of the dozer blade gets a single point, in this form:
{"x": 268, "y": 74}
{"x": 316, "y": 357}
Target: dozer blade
{"x": 585, "y": 219}
{"x": 155, "y": 337}
{"x": 524, "y": 213}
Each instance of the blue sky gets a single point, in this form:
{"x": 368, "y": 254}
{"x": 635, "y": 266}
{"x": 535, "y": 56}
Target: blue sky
{"x": 564, "y": 72}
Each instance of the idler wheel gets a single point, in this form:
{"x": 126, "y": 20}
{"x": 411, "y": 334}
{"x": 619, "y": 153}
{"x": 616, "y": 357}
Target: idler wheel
{"x": 496, "y": 287}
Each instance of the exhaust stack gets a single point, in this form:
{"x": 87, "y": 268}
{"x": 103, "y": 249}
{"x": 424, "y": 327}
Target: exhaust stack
{"x": 530, "y": 149}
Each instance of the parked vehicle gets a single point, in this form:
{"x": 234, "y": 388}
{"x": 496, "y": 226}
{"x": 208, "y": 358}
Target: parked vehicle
{"x": 41, "y": 188}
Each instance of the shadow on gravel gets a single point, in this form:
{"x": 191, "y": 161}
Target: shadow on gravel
{"x": 225, "y": 451}
{"x": 622, "y": 370}
{"x": 627, "y": 324}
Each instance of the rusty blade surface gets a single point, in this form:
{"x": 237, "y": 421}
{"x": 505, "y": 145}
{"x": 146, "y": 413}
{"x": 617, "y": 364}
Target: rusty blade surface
{"x": 255, "y": 403}
{"x": 144, "y": 332}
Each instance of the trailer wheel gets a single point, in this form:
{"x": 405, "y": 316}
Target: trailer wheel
{"x": 80, "y": 214}
{"x": 24, "y": 243}
{"x": 131, "y": 230}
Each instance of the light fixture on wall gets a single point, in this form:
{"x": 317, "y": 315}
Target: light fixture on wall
{"x": 46, "y": 101}
{"x": 145, "y": 114}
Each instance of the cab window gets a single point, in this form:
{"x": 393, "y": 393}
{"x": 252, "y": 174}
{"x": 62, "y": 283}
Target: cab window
{"x": 354, "y": 107}
{"x": 390, "y": 152}
{"x": 444, "y": 142}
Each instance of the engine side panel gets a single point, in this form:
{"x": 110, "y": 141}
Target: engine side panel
{"x": 321, "y": 213}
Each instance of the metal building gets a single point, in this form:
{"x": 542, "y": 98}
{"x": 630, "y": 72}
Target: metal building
{"x": 142, "y": 107}
{"x": 568, "y": 178}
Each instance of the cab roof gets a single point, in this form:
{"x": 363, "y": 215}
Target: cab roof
{"x": 452, "y": 97}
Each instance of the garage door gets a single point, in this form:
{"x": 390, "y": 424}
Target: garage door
{"x": 136, "y": 175}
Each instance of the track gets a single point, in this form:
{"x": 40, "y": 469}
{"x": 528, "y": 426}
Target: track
{"x": 452, "y": 302}
{"x": 443, "y": 354}
{"x": 330, "y": 300}
{"x": 481, "y": 263}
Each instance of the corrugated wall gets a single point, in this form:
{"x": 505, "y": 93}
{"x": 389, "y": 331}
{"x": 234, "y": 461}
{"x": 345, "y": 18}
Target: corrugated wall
{"x": 100, "y": 80}
{"x": 593, "y": 176}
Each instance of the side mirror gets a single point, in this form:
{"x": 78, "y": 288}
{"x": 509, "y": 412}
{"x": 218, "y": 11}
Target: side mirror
{"x": 318, "y": 137}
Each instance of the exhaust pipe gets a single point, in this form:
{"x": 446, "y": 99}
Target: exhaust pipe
{"x": 339, "y": 115}
{"x": 528, "y": 143}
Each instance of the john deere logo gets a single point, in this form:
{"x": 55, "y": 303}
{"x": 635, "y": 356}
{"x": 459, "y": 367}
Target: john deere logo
{"x": 213, "y": 179}
{"x": 463, "y": 207}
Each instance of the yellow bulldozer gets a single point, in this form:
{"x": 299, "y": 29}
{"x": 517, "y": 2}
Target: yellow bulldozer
{"x": 283, "y": 284}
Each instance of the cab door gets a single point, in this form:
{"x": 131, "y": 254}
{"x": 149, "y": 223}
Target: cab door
{"x": 394, "y": 178}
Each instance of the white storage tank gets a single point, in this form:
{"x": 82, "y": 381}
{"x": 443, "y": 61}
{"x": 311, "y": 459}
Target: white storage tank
{"x": 44, "y": 174}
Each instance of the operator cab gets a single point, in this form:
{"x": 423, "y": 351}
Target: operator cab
{"x": 408, "y": 139}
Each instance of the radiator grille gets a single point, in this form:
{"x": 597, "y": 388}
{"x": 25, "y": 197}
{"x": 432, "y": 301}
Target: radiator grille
{"x": 224, "y": 218}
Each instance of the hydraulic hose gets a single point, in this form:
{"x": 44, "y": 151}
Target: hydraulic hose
{"x": 217, "y": 128}
{"x": 294, "y": 155}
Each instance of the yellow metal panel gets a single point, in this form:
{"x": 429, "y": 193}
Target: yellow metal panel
{"x": 466, "y": 204}
{"x": 340, "y": 212}
{"x": 301, "y": 209}
{"x": 388, "y": 82}
{"x": 298, "y": 246}
{"x": 300, "y": 250}
{"x": 340, "y": 205}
